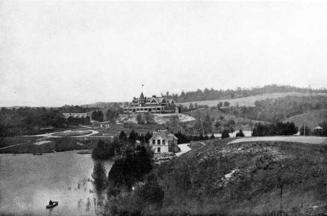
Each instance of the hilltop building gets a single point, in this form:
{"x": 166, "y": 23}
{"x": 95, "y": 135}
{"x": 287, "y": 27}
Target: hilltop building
{"x": 163, "y": 142}
{"x": 152, "y": 104}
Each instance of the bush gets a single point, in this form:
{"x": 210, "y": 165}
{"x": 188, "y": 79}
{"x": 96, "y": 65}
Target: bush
{"x": 151, "y": 192}
{"x": 103, "y": 151}
{"x": 225, "y": 134}
{"x": 240, "y": 133}
{"x": 131, "y": 168}
{"x": 278, "y": 128}
{"x": 305, "y": 131}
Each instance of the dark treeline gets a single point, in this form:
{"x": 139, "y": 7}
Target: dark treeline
{"x": 278, "y": 128}
{"x": 183, "y": 138}
{"x": 132, "y": 163}
{"x": 31, "y": 120}
{"x": 106, "y": 150}
{"x": 279, "y": 108}
{"x": 212, "y": 94}
{"x": 119, "y": 145}
{"x": 322, "y": 131}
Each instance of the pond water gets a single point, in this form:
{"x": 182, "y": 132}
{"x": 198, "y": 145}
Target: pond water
{"x": 28, "y": 182}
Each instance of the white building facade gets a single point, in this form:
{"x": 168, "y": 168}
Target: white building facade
{"x": 163, "y": 142}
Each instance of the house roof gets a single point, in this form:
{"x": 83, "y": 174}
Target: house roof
{"x": 164, "y": 134}
{"x": 152, "y": 100}
{"x": 75, "y": 115}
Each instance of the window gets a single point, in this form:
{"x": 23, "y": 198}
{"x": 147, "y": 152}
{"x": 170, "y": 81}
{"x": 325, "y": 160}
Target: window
{"x": 158, "y": 149}
{"x": 153, "y": 142}
{"x": 163, "y": 142}
{"x": 158, "y": 141}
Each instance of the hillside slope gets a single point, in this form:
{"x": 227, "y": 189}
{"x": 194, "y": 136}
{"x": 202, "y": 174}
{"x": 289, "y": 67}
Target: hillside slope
{"x": 258, "y": 178}
{"x": 310, "y": 119}
{"x": 249, "y": 101}
{"x": 225, "y": 119}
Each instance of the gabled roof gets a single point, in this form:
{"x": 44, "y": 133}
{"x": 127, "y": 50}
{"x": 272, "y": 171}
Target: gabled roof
{"x": 164, "y": 134}
{"x": 75, "y": 115}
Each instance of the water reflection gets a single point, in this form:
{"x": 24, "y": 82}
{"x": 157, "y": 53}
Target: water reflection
{"x": 28, "y": 182}
{"x": 100, "y": 183}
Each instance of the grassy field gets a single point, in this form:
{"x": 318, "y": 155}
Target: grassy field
{"x": 247, "y": 101}
{"x": 310, "y": 119}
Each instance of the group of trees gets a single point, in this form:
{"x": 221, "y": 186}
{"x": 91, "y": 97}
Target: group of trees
{"x": 78, "y": 121}
{"x": 105, "y": 150}
{"x": 306, "y": 131}
{"x": 145, "y": 118}
{"x": 183, "y": 138}
{"x": 278, "y": 128}
{"x": 28, "y": 120}
{"x": 111, "y": 114}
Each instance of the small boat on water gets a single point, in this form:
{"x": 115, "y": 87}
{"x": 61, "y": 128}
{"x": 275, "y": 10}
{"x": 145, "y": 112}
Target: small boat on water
{"x": 52, "y": 204}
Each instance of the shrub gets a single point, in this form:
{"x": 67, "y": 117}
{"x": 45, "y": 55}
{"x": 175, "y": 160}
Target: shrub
{"x": 131, "y": 168}
{"x": 103, "y": 151}
{"x": 240, "y": 133}
{"x": 225, "y": 134}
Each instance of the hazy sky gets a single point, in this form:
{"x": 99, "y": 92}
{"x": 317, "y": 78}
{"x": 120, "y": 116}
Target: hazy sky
{"x": 75, "y": 52}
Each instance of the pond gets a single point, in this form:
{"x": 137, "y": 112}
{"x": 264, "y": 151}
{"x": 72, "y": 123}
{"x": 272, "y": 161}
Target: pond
{"x": 28, "y": 182}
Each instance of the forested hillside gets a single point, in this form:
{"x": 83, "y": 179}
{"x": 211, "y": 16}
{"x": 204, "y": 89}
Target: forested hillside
{"x": 212, "y": 94}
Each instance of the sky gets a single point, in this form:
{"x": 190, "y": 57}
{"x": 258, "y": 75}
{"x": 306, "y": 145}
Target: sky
{"x": 77, "y": 52}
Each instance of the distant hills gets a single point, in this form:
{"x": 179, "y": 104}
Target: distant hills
{"x": 212, "y": 94}
{"x": 249, "y": 101}
{"x": 238, "y": 96}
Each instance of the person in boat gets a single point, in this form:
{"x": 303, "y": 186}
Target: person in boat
{"x": 50, "y": 202}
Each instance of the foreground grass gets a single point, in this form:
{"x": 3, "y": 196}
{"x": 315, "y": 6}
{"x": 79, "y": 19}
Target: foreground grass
{"x": 258, "y": 178}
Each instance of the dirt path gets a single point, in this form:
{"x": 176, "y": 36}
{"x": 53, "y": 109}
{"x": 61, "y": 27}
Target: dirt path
{"x": 184, "y": 148}
{"x": 299, "y": 139}
{"x": 12, "y": 146}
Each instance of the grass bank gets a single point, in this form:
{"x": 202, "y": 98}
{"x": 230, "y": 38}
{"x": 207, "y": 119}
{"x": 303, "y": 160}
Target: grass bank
{"x": 253, "y": 178}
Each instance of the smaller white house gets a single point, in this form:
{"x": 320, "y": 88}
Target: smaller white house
{"x": 163, "y": 142}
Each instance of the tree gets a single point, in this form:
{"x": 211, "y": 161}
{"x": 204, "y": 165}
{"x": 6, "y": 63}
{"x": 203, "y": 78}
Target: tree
{"x": 305, "y": 131}
{"x": 148, "y": 136}
{"x": 149, "y": 119}
{"x": 122, "y": 136}
{"x": 130, "y": 169}
{"x": 99, "y": 176}
{"x": 151, "y": 192}
{"x": 112, "y": 115}
{"x": 97, "y": 115}
{"x": 225, "y": 134}
{"x": 103, "y": 151}
{"x": 139, "y": 118}
{"x": 207, "y": 124}
{"x": 133, "y": 136}
{"x": 324, "y": 128}
{"x": 226, "y": 104}
{"x": 173, "y": 124}
{"x": 240, "y": 133}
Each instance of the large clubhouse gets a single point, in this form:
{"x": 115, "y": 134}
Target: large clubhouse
{"x": 152, "y": 104}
